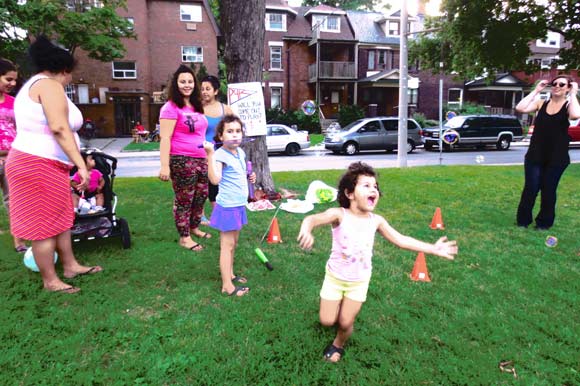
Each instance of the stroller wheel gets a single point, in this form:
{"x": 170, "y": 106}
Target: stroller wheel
{"x": 125, "y": 233}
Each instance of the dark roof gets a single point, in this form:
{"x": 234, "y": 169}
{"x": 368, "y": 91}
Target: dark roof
{"x": 367, "y": 30}
{"x": 505, "y": 79}
{"x": 301, "y": 26}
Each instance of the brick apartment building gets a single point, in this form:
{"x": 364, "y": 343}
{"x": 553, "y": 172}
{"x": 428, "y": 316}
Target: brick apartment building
{"x": 169, "y": 33}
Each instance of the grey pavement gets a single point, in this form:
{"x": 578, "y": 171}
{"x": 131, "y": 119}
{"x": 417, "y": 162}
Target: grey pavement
{"x": 114, "y": 147}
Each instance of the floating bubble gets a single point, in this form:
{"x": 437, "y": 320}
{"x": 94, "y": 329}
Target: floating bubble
{"x": 479, "y": 159}
{"x": 450, "y": 137}
{"x": 309, "y": 107}
{"x": 551, "y": 241}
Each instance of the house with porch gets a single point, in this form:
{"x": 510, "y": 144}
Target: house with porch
{"x": 117, "y": 94}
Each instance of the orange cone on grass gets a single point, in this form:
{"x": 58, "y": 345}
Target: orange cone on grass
{"x": 437, "y": 222}
{"x": 274, "y": 234}
{"x": 420, "y": 272}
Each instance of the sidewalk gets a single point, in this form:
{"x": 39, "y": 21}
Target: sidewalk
{"x": 114, "y": 147}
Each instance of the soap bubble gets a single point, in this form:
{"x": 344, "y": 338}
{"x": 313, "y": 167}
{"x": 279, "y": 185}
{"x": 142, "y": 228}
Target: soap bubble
{"x": 551, "y": 241}
{"x": 309, "y": 107}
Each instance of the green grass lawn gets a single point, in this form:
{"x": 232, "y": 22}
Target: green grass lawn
{"x": 155, "y": 316}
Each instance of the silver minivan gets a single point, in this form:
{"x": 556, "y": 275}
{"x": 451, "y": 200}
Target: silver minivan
{"x": 377, "y": 133}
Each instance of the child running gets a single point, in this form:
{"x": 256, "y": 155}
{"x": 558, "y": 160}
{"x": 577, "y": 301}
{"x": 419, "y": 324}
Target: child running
{"x": 227, "y": 168}
{"x": 348, "y": 270}
{"x": 94, "y": 188}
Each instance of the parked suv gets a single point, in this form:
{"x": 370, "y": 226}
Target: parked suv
{"x": 478, "y": 131}
{"x": 377, "y": 133}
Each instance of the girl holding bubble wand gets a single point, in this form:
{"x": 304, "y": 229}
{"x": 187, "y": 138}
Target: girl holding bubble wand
{"x": 348, "y": 270}
{"x": 227, "y": 169}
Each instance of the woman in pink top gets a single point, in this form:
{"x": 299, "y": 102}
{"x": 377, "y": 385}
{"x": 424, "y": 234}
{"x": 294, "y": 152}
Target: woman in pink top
{"x": 348, "y": 270}
{"x": 8, "y": 77}
{"x": 183, "y": 159}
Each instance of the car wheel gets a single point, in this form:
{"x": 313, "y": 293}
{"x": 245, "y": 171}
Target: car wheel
{"x": 125, "y": 233}
{"x": 350, "y": 148}
{"x": 503, "y": 143}
{"x": 292, "y": 149}
{"x": 410, "y": 146}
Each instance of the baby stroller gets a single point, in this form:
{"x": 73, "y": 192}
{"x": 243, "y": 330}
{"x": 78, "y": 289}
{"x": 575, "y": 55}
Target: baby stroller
{"x": 103, "y": 223}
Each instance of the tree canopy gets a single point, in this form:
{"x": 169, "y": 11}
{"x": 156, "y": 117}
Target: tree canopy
{"x": 73, "y": 23}
{"x": 344, "y": 4}
{"x": 474, "y": 38}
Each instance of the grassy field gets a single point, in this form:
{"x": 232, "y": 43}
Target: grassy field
{"x": 155, "y": 316}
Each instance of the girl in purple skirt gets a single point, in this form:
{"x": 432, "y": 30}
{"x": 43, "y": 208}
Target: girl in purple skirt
{"x": 227, "y": 168}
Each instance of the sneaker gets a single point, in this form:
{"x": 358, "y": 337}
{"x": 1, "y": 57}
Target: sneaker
{"x": 98, "y": 208}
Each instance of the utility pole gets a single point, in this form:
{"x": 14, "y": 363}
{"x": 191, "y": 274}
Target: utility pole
{"x": 403, "y": 90}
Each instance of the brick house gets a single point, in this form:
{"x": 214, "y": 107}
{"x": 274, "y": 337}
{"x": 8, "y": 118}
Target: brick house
{"x": 309, "y": 53}
{"x": 117, "y": 94}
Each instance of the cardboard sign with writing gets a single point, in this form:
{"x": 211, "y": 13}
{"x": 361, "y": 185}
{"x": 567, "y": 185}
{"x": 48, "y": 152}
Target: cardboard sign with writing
{"x": 247, "y": 102}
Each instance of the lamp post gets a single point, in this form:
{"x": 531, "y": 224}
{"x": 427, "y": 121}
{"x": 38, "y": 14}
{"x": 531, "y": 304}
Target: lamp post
{"x": 403, "y": 90}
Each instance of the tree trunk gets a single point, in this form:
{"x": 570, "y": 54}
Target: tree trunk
{"x": 243, "y": 28}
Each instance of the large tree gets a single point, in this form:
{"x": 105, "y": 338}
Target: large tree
{"x": 73, "y": 23}
{"x": 243, "y": 29}
{"x": 474, "y": 38}
{"x": 368, "y": 5}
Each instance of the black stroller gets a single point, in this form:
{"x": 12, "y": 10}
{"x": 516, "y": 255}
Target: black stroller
{"x": 104, "y": 223}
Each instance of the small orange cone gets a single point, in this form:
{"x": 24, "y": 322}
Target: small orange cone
{"x": 437, "y": 222}
{"x": 420, "y": 272}
{"x": 274, "y": 235}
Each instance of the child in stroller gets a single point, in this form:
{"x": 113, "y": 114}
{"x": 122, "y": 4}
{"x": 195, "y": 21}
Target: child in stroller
{"x": 82, "y": 199}
{"x": 103, "y": 223}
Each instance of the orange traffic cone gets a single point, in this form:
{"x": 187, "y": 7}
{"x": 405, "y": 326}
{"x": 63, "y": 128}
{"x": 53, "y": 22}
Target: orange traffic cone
{"x": 437, "y": 222}
{"x": 274, "y": 235}
{"x": 420, "y": 272}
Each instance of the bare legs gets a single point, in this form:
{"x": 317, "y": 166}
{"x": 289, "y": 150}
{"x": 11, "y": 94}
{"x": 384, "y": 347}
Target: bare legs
{"x": 43, "y": 251}
{"x": 228, "y": 243}
{"x": 343, "y": 313}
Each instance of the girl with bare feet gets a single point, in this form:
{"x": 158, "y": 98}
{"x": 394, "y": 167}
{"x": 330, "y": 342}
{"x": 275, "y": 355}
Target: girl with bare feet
{"x": 227, "y": 168}
{"x": 182, "y": 132}
{"x": 348, "y": 270}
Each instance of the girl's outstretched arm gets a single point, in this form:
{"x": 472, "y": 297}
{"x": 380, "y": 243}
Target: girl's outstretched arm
{"x": 330, "y": 216}
{"x": 443, "y": 248}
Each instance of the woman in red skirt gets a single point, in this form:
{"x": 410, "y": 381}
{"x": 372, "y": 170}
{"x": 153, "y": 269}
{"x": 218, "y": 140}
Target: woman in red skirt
{"x": 38, "y": 165}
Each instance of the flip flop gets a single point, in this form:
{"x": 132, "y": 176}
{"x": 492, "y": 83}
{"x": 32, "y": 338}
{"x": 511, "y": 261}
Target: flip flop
{"x": 330, "y": 350}
{"x": 196, "y": 248}
{"x": 236, "y": 290}
{"x": 205, "y": 235}
{"x": 65, "y": 290}
{"x": 21, "y": 248}
{"x": 239, "y": 279}
{"x": 90, "y": 271}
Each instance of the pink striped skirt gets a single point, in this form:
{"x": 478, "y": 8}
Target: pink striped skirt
{"x": 40, "y": 198}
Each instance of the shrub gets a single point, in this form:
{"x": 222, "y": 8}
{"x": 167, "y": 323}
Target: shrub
{"x": 310, "y": 123}
{"x": 349, "y": 113}
{"x": 471, "y": 108}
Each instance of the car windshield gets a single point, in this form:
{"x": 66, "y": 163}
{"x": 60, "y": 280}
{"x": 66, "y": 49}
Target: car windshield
{"x": 351, "y": 125}
{"x": 455, "y": 122}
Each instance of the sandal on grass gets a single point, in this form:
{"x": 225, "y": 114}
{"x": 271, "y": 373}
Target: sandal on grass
{"x": 90, "y": 271}
{"x": 330, "y": 350}
{"x": 65, "y": 290}
{"x": 196, "y": 247}
{"x": 242, "y": 289}
{"x": 239, "y": 279}
{"x": 21, "y": 248}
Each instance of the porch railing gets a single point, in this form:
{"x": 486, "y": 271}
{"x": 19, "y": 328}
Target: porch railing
{"x": 332, "y": 70}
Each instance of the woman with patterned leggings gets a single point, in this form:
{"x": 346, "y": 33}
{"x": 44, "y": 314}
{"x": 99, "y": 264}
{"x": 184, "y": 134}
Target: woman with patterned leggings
{"x": 183, "y": 159}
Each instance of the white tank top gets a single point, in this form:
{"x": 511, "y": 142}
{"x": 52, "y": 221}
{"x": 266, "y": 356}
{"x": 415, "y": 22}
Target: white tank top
{"x": 33, "y": 136}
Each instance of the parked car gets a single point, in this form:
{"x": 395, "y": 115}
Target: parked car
{"x": 573, "y": 131}
{"x": 281, "y": 138}
{"x": 478, "y": 131}
{"x": 377, "y": 133}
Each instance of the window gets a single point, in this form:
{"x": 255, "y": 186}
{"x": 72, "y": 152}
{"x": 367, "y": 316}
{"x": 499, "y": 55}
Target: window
{"x": 275, "y": 58}
{"x": 124, "y": 70}
{"x": 70, "y": 91}
{"x": 454, "y": 97}
{"x": 275, "y": 97}
{"x": 191, "y": 54}
{"x": 393, "y": 28}
{"x": 326, "y": 23}
{"x": 190, "y": 13}
{"x": 80, "y": 5}
{"x": 132, "y": 21}
{"x": 278, "y": 130}
{"x": 275, "y": 22}
{"x": 371, "y": 65}
{"x": 371, "y": 127}
{"x": 413, "y": 94}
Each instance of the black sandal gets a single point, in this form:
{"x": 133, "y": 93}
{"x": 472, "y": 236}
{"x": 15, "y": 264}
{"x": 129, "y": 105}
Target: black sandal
{"x": 330, "y": 350}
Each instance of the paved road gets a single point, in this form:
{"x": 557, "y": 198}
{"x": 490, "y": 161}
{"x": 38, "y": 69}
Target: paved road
{"x": 135, "y": 165}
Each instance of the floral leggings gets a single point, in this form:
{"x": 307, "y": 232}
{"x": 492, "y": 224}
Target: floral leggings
{"x": 190, "y": 181}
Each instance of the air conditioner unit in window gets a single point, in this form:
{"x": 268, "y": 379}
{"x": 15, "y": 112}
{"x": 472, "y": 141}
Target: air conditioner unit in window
{"x": 191, "y": 26}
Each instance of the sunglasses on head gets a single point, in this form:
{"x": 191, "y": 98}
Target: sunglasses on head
{"x": 559, "y": 84}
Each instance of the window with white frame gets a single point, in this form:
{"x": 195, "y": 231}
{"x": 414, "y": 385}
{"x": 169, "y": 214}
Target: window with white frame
{"x": 393, "y": 28}
{"x": 188, "y": 12}
{"x": 275, "y": 58}
{"x": 454, "y": 97}
{"x": 413, "y": 95}
{"x": 371, "y": 63}
{"x": 275, "y": 22}
{"x": 326, "y": 23}
{"x": 70, "y": 91}
{"x": 124, "y": 70}
{"x": 275, "y": 97}
{"x": 191, "y": 54}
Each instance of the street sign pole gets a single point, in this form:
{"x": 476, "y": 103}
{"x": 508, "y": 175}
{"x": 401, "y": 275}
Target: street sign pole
{"x": 403, "y": 91}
